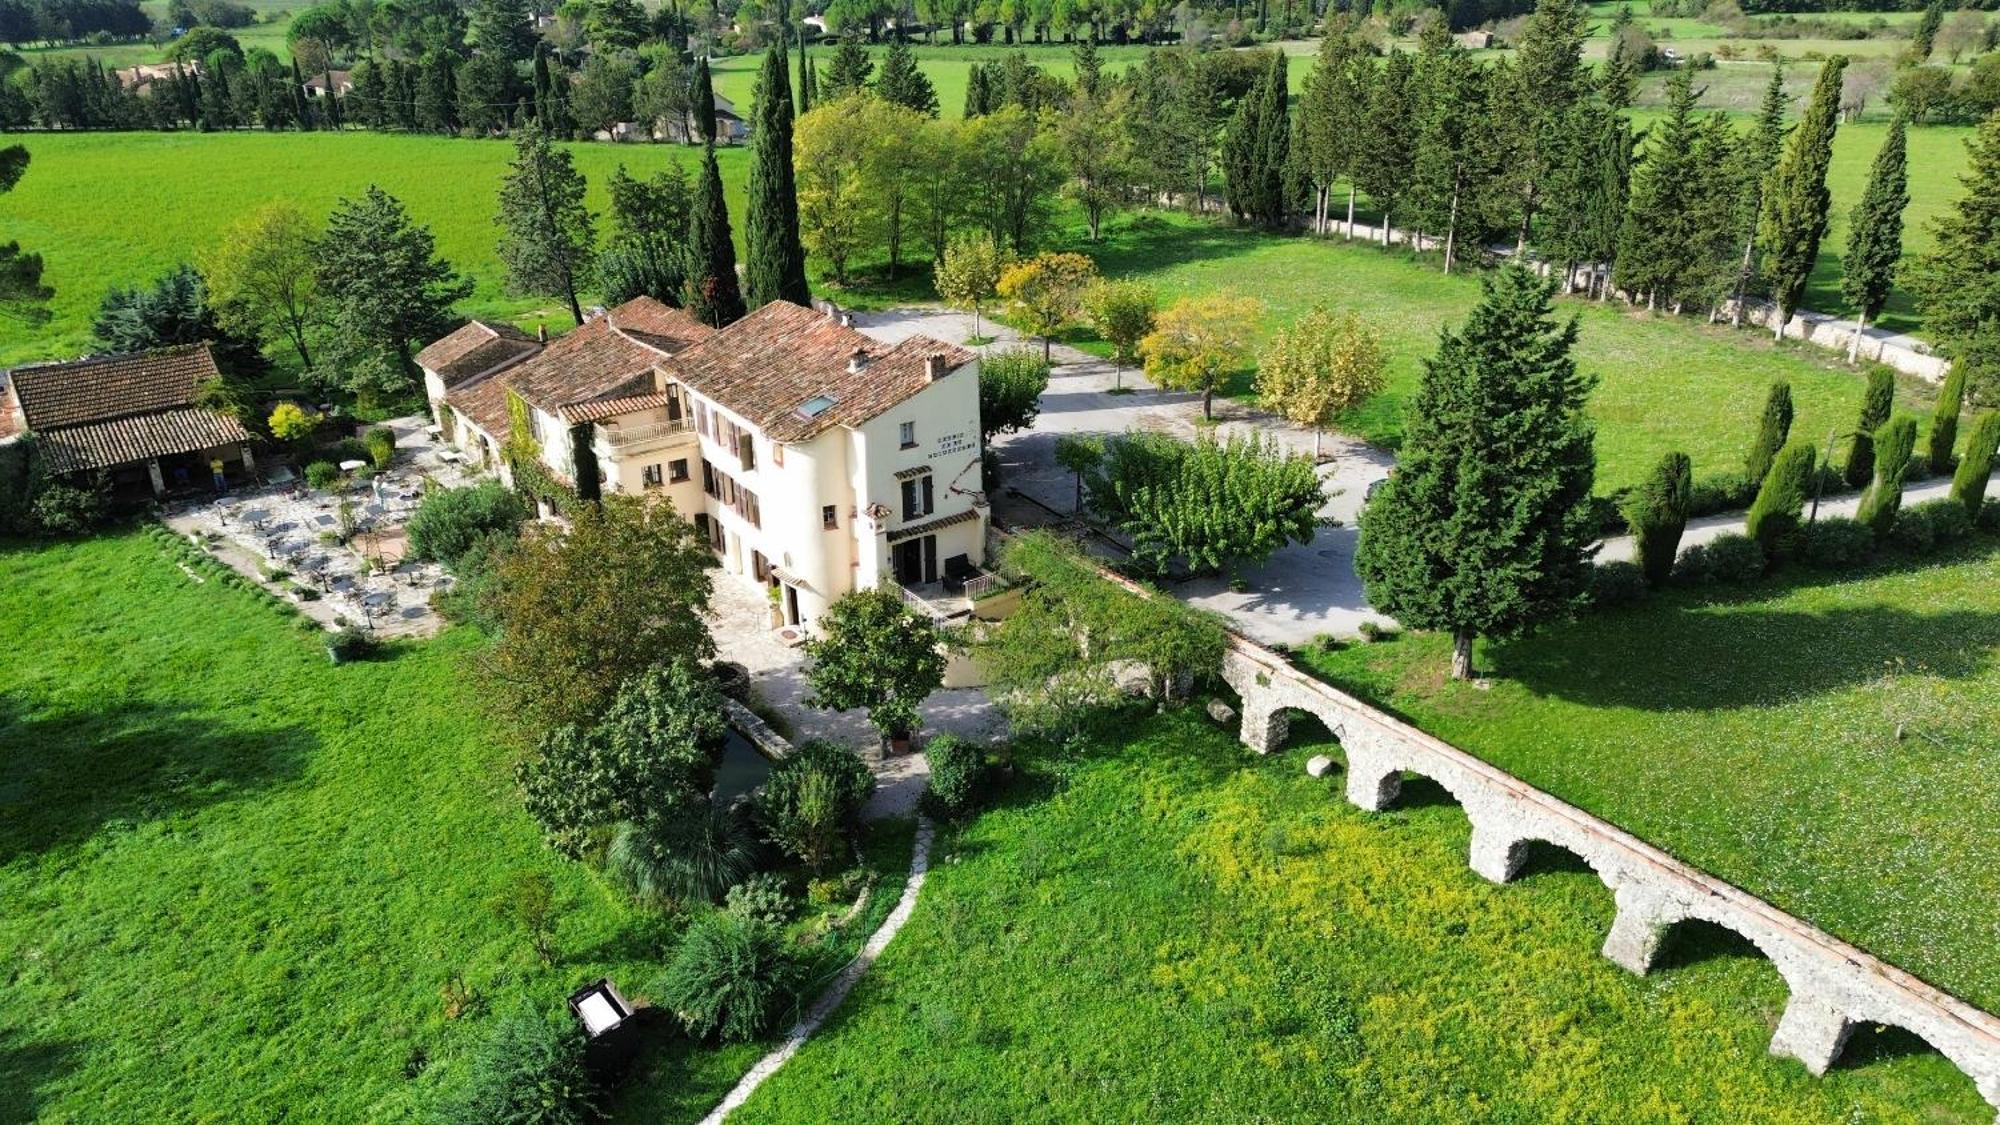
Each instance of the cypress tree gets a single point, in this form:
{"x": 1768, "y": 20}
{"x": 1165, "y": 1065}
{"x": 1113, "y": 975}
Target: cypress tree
{"x": 1486, "y": 527}
{"x": 1875, "y": 233}
{"x": 713, "y": 292}
{"x": 978, "y": 98}
{"x": 1256, "y": 149}
{"x": 1968, "y": 486}
{"x": 776, "y": 268}
{"x": 1774, "y": 517}
{"x": 1795, "y": 205}
{"x": 1387, "y": 145}
{"x": 1944, "y": 419}
{"x": 1957, "y": 284}
{"x": 1925, "y": 35}
{"x": 1876, "y": 402}
{"x": 1893, "y": 443}
{"x": 1658, "y": 513}
{"x": 301, "y": 112}
{"x": 1549, "y": 80}
{"x": 1655, "y": 256}
{"x": 1455, "y": 170}
{"x": 704, "y": 102}
{"x": 1760, "y": 154}
{"x": 1772, "y": 431}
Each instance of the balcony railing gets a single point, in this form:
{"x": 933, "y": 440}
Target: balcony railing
{"x": 625, "y": 436}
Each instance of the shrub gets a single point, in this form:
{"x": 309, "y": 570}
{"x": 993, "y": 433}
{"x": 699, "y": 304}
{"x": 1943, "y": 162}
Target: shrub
{"x": 957, "y": 769}
{"x": 811, "y": 798}
{"x": 1772, "y": 429}
{"x": 1944, "y": 419}
{"x": 381, "y": 444}
{"x": 1913, "y": 532}
{"x": 1374, "y": 631}
{"x": 346, "y": 449}
{"x": 1617, "y": 583}
{"x": 66, "y": 509}
{"x": 1835, "y": 543}
{"x": 1723, "y": 492}
{"x": 530, "y": 1071}
{"x": 730, "y": 978}
{"x": 688, "y": 854}
{"x": 761, "y": 898}
{"x": 1968, "y": 486}
{"x": 1876, "y": 402}
{"x": 1893, "y": 443}
{"x": 348, "y": 645}
{"x": 1658, "y": 513}
{"x": 1731, "y": 559}
{"x": 451, "y": 522}
{"x": 1947, "y": 519}
{"x": 323, "y": 475}
{"x": 1775, "y": 515}
{"x": 291, "y": 422}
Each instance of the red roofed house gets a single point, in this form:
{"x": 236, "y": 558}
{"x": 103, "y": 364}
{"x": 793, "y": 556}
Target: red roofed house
{"x": 133, "y": 418}
{"x": 816, "y": 460}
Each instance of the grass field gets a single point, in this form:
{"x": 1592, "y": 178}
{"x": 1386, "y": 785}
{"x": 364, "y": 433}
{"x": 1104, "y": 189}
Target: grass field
{"x": 946, "y": 67}
{"x": 1825, "y": 744}
{"x": 238, "y": 879}
{"x": 273, "y": 18}
{"x": 1170, "y": 929}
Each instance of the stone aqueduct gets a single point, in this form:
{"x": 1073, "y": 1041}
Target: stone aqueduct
{"x": 1834, "y": 987}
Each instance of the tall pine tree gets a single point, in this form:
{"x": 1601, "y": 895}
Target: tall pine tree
{"x": 805, "y": 98}
{"x": 1256, "y": 149}
{"x": 1486, "y": 527}
{"x": 1456, "y": 165}
{"x": 1795, "y": 206}
{"x": 549, "y": 235}
{"x": 901, "y": 83}
{"x": 1387, "y": 143}
{"x": 776, "y": 268}
{"x": 1759, "y": 155}
{"x": 1548, "y": 78}
{"x": 714, "y": 295}
{"x": 1875, "y": 233}
{"x": 1654, "y": 261}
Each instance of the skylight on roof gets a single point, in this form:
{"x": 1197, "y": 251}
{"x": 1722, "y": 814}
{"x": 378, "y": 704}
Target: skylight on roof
{"x": 816, "y": 406}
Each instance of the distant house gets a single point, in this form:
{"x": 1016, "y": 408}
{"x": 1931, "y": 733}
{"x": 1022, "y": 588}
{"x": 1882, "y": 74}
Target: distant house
{"x": 1474, "y": 40}
{"x": 133, "y": 418}
{"x": 341, "y": 81}
{"x": 730, "y": 128}
{"x": 140, "y": 79}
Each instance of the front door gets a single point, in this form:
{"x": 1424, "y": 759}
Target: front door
{"x": 792, "y": 605}
{"x": 915, "y": 560}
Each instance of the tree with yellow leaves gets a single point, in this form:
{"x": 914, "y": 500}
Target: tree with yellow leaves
{"x": 1198, "y": 340}
{"x": 1325, "y": 363}
{"x": 1046, "y": 291}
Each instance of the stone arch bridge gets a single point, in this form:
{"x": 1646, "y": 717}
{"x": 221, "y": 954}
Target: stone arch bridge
{"x": 1834, "y": 987}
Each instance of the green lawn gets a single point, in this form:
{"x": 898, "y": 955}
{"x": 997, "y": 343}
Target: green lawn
{"x": 945, "y": 65}
{"x": 239, "y": 879}
{"x": 1170, "y": 929}
{"x": 1826, "y": 744}
{"x": 1666, "y": 383}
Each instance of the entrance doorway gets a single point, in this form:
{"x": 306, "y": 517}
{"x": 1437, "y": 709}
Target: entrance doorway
{"x": 915, "y": 560}
{"x": 792, "y": 605}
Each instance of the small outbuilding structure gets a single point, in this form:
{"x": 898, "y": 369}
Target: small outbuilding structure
{"x": 132, "y": 418}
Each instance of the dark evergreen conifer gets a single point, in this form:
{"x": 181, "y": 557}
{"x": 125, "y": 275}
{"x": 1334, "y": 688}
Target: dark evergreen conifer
{"x": 776, "y": 265}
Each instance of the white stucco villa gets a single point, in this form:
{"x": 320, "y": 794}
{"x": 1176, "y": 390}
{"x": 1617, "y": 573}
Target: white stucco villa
{"x": 815, "y": 459}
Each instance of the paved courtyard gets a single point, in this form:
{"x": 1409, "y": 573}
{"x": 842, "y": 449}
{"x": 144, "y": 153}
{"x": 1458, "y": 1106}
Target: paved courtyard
{"x": 1303, "y": 591}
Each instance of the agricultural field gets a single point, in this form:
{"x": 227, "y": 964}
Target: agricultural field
{"x": 245, "y": 883}
{"x": 1826, "y": 744}
{"x": 273, "y": 17}
{"x": 946, "y": 67}
{"x": 1164, "y": 927}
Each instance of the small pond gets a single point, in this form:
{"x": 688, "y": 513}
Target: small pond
{"x": 743, "y": 768}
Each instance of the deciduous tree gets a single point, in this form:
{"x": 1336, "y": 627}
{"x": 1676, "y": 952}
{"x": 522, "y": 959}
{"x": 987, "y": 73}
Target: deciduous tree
{"x": 386, "y": 289}
{"x": 969, "y": 273}
{"x": 262, "y": 277}
{"x": 1122, "y": 313}
{"x": 875, "y": 652}
{"x": 1011, "y": 383}
{"x": 1210, "y": 505}
{"x": 1197, "y": 341}
{"x": 23, "y": 297}
{"x": 1046, "y": 291}
{"x": 1320, "y": 366}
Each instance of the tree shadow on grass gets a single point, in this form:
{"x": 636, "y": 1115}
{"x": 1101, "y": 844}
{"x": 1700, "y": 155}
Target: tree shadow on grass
{"x": 25, "y": 1069}
{"x": 65, "y": 775}
{"x": 1708, "y": 657}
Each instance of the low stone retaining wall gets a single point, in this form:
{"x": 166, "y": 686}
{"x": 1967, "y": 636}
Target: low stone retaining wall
{"x": 752, "y": 726}
{"x": 1834, "y": 986}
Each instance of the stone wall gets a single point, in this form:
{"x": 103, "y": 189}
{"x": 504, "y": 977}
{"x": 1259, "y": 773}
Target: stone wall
{"x": 1834, "y": 986}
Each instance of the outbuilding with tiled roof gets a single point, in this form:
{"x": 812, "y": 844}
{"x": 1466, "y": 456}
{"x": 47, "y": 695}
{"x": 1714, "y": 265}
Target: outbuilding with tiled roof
{"x": 122, "y": 414}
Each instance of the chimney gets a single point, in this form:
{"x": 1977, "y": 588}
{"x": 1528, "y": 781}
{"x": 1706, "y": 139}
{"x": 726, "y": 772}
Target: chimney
{"x": 933, "y": 367}
{"x": 856, "y": 360}
{"x": 847, "y": 320}
{"x": 542, "y": 333}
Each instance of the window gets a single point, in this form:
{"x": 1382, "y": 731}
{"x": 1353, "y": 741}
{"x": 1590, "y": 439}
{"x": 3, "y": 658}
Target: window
{"x": 917, "y": 497}
{"x": 651, "y": 475}
{"x": 746, "y": 450}
{"x": 700, "y": 418}
{"x": 673, "y": 402}
{"x": 829, "y": 517}
{"x": 677, "y": 470}
{"x": 907, "y": 434}
{"x": 708, "y": 482}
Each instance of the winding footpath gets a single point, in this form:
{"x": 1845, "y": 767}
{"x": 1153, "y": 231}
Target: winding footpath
{"x": 816, "y": 1016}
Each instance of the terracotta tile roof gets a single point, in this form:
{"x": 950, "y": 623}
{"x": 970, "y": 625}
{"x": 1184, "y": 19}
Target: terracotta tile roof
{"x": 598, "y": 409}
{"x": 120, "y": 441}
{"x": 610, "y": 358}
{"x": 477, "y": 346}
{"x": 767, "y": 365}
{"x": 928, "y": 526}
{"x": 95, "y": 390}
